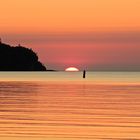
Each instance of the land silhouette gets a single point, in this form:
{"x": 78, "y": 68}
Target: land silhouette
{"x": 19, "y": 58}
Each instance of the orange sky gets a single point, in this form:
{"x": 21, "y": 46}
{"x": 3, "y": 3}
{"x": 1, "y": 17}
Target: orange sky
{"x": 68, "y": 15}
{"x": 95, "y": 30}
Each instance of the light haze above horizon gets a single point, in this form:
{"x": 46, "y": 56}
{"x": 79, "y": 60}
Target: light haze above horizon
{"x": 86, "y": 34}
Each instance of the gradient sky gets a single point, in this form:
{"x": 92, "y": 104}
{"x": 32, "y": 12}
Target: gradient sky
{"x": 92, "y": 34}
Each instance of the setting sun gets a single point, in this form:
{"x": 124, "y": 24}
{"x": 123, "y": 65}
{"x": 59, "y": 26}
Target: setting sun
{"x": 72, "y": 69}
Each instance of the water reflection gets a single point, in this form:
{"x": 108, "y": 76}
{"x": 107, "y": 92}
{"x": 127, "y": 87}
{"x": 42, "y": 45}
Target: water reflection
{"x": 46, "y": 110}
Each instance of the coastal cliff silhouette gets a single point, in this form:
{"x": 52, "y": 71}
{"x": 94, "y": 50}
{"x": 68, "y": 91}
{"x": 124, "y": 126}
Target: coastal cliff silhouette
{"x": 19, "y": 58}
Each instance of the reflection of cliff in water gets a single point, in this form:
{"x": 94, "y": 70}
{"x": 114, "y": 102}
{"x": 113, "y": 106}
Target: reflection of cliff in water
{"x": 18, "y": 92}
{"x": 19, "y": 59}
{"x": 18, "y": 87}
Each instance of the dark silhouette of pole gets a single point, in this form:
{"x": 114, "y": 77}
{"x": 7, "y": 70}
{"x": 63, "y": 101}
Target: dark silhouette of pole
{"x": 84, "y": 74}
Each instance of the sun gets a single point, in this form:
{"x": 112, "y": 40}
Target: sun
{"x": 71, "y": 69}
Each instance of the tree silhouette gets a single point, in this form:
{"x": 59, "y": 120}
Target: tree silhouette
{"x": 19, "y": 58}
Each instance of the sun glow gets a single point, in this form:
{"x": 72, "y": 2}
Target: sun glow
{"x": 71, "y": 69}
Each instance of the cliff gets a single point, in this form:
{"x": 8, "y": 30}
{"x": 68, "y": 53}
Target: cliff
{"x": 19, "y": 58}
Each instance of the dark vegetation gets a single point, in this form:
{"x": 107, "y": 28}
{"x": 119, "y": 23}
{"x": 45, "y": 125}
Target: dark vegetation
{"x": 19, "y": 58}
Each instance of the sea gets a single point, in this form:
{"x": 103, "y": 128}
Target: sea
{"x": 64, "y": 106}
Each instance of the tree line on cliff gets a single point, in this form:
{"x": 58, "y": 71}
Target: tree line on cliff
{"x": 19, "y": 58}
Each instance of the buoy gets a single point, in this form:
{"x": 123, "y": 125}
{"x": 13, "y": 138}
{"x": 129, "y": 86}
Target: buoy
{"x": 84, "y": 74}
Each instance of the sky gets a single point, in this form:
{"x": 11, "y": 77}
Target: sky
{"x": 87, "y": 34}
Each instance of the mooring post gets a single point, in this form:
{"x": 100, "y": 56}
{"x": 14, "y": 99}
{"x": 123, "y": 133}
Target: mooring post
{"x": 84, "y": 74}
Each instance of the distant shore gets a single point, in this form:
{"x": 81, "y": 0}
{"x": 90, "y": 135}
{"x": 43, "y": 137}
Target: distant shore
{"x": 19, "y": 58}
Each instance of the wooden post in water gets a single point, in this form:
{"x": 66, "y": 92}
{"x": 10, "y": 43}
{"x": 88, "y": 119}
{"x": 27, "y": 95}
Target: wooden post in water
{"x": 84, "y": 74}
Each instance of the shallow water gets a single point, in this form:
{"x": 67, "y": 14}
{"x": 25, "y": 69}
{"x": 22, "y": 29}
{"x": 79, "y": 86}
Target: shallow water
{"x": 63, "y": 106}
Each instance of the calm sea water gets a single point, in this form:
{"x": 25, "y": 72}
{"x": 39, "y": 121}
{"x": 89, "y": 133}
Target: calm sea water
{"x": 63, "y": 106}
